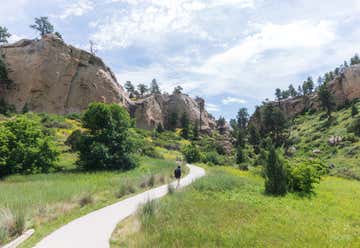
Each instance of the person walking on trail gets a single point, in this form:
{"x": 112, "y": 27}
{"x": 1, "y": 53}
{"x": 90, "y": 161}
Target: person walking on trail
{"x": 177, "y": 174}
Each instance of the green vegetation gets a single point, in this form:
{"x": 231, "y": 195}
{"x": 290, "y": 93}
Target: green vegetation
{"x": 227, "y": 208}
{"x": 335, "y": 143}
{"x": 4, "y": 35}
{"x": 51, "y": 200}
{"x": 107, "y": 142}
{"x": 24, "y": 147}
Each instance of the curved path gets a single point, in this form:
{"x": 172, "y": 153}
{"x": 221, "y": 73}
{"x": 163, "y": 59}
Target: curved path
{"x": 95, "y": 228}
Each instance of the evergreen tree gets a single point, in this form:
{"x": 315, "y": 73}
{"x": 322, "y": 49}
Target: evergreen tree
{"x": 300, "y": 91}
{"x": 178, "y": 90}
{"x": 129, "y": 87}
{"x": 173, "y": 119}
{"x": 143, "y": 89}
{"x": 292, "y": 91}
{"x": 43, "y": 26}
{"x": 242, "y": 118}
{"x": 4, "y": 35}
{"x": 154, "y": 87}
{"x": 195, "y": 131}
{"x": 346, "y": 64}
{"x": 254, "y": 137}
{"x": 240, "y": 155}
{"x": 355, "y": 60}
{"x": 275, "y": 174}
{"x": 278, "y": 94}
{"x": 185, "y": 125}
{"x": 310, "y": 84}
{"x": 326, "y": 99}
{"x": 221, "y": 125}
{"x": 59, "y": 35}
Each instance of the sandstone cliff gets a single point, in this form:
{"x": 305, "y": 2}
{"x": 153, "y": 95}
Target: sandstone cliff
{"x": 157, "y": 108}
{"x": 344, "y": 88}
{"x": 50, "y": 76}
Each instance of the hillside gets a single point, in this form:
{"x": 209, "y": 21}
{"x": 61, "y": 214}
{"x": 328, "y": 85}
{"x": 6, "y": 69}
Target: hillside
{"x": 314, "y": 137}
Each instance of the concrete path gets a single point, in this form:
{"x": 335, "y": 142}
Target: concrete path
{"x": 95, "y": 228}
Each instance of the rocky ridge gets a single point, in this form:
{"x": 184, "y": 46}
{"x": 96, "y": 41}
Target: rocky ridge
{"x": 50, "y": 76}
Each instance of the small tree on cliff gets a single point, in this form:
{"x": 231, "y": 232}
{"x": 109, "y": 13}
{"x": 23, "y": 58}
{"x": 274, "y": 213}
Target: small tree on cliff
{"x": 185, "y": 125}
{"x": 142, "y": 88}
{"x": 326, "y": 99}
{"x": 178, "y": 90}
{"x": 130, "y": 88}
{"x": 154, "y": 87}
{"x": 4, "y": 35}
{"x": 43, "y": 25}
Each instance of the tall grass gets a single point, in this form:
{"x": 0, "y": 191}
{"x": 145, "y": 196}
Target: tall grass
{"x": 229, "y": 209}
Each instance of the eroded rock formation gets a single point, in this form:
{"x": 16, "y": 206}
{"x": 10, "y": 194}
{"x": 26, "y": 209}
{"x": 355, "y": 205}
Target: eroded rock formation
{"x": 50, "y": 76}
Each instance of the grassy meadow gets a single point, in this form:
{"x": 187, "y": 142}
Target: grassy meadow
{"x": 228, "y": 208}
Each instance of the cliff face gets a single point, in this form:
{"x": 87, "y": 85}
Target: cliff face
{"x": 344, "y": 88}
{"x": 50, "y": 76}
{"x": 158, "y": 108}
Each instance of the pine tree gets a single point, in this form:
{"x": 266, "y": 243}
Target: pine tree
{"x": 143, "y": 89}
{"x": 326, "y": 99}
{"x": 154, "y": 87}
{"x": 195, "y": 131}
{"x": 4, "y": 35}
{"x": 275, "y": 174}
{"x": 254, "y": 137}
{"x": 240, "y": 156}
{"x": 43, "y": 25}
{"x": 185, "y": 125}
{"x": 292, "y": 91}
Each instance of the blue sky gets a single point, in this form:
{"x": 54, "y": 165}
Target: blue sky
{"x": 234, "y": 53}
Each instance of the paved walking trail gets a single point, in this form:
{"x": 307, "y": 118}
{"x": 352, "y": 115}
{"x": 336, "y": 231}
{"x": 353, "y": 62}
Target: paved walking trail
{"x": 95, "y": 229}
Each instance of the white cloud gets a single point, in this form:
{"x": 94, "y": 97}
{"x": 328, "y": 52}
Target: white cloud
{"x": 212, "y": 107}
{"x": 230, "y": 100}
{"x": 299, "y": 34}
{"x": 150, "y": 21}
{"x": 14, "y": 38}
{"x": 77, "y": 9}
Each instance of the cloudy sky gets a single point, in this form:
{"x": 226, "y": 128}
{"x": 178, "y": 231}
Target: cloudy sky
{"x": 234, "y": 53}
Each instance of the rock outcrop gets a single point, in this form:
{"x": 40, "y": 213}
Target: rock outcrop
{"x": 344, "y": 88}
{"x": 158, "y": 108}
{"x": 50, "y": 76}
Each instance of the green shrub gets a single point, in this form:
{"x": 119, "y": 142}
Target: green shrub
{"x": 108, "y": 143}
{"x": 191, "y": 153}
{"x": 24, "y": 148}
{"x": 304, "y": 175}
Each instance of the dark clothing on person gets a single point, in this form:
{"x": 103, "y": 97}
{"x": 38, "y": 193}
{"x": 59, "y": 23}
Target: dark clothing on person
{"x": 177, "y": 172}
